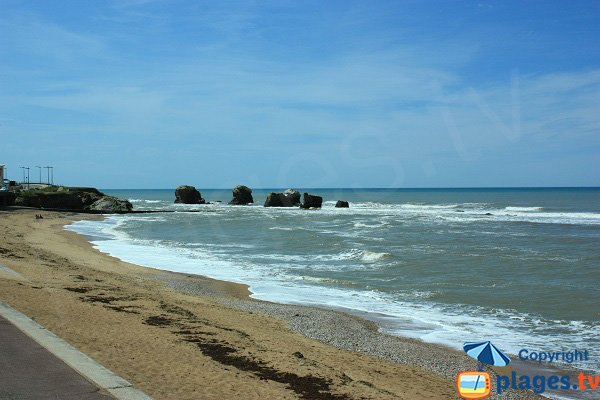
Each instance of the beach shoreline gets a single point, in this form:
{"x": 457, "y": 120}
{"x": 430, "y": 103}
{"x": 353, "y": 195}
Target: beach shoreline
{"x": 242, "y": 344}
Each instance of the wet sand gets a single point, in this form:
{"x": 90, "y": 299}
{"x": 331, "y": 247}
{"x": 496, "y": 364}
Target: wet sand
{"x": 180, "y": 336}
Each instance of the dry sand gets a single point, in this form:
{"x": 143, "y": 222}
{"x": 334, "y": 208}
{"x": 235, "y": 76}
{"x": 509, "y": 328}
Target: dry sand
{"x": 179, "y": 336}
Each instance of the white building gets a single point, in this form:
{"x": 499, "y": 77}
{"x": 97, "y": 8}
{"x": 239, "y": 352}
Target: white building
{"x": 2, "y": 185}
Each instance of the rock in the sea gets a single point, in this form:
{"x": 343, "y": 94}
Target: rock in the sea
{"x": 293, "y": 197}
{"x": 274, "y": 200}
{"x": 342, "y": 204}
{"x": 110, "y": 204}
{"x": 289, "y": 198}
{"x": 242, "y": 195}
{"x": 188, "y": 195}
{"x": 311, "y": 201}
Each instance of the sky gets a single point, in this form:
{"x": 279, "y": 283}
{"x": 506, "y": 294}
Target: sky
{"x": 306, "y": 94}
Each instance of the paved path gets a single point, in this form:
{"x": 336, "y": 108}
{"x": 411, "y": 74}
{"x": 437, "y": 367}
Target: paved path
{"x": 38, "y": 365}
{"x": 29, "y": 371}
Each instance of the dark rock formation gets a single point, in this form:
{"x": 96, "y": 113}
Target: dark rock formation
{"x": 342, "y": 204}
{"x": 188, "y": 195}
{"x": 242, "y": 195}
{"x": 289, "y": 198}
{"x": 311, "y": 201}
{"x": 110, "y": 204}
{"x": 293, "y": 197}
{"x": 7, "y": 198}
{"x": 274, "y": 200}
{"x": 72, "y": 198}
{"x": 58, "y": 197}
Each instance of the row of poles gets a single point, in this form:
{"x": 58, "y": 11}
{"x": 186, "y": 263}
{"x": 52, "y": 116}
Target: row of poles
{"x": 50, "y": 171}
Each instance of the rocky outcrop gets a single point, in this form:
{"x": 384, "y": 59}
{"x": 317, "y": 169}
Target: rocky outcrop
{"x": 292, "y": 196}
{"x": 58, "y": 197}
{"x": 110, "y": 204}
{"x": 342, "y": 204}
{"x": 242, "y": 195}
{"x": 274, "y": 200}
{"x": 72, "y": 198}
{"x": 289, "y": 198}
{"x": 188, "y": 195}
{"x": 311, "y": 201}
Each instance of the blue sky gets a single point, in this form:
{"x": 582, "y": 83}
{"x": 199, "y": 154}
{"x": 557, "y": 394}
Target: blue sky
{"x": 157, "y": 93}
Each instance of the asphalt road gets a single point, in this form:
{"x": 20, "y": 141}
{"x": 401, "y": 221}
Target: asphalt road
{"x": 28, "y": 371}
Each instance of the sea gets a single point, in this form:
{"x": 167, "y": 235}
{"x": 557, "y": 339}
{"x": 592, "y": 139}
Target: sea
{"x": 519, "y": 267}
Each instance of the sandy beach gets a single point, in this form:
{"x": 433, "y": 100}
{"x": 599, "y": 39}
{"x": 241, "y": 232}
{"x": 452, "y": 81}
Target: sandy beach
{"x": 178, "y": 336}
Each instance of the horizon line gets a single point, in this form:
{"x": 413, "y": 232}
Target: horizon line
{"x": 381, "y": 188}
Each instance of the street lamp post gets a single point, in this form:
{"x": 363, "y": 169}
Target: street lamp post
{"x": 52, "y": 175}
{"x": 40, "y": 171}
{"x": 26, "y": 176}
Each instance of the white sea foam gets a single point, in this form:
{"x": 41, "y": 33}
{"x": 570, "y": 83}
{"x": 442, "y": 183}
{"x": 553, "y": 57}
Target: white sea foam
{"x": 568, "y": 218}
{"x": 503, "y": 215}
{"x": 225, "y": 245}
{"x": 477, "y": 212}
{"x": 145, "y": 201}
{"x": 366, "y": 256}
{"x": 142, "y": 218}
{"x": 423, "y": 207}
{"x": 373, "y": 256}
{"x": 525, "y": 209}
{"x": 439, "y": 213}
{"x": 364, "y": 225}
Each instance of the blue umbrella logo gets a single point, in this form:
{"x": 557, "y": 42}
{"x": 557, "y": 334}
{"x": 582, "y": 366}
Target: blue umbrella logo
{"x": 486, "y": 353}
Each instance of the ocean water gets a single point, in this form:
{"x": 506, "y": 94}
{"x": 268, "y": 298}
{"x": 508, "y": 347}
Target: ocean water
{"x": 520, "y": 267}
